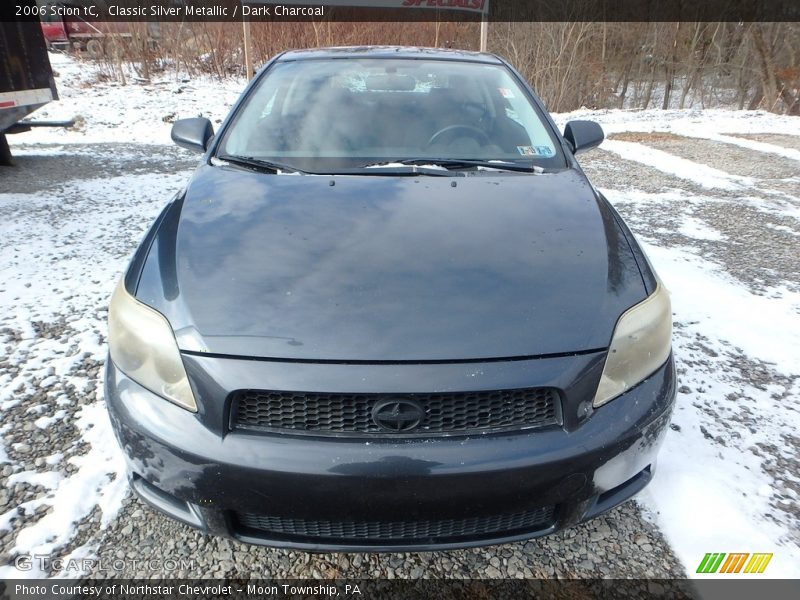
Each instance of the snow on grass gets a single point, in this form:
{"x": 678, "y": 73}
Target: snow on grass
{"x": 703, "y": 175}
{"x": 139, "y": 112}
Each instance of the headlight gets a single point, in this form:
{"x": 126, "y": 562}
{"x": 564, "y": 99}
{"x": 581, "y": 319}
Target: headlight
{"x": 143, "y": 346}
{"x": 641, "y": 343}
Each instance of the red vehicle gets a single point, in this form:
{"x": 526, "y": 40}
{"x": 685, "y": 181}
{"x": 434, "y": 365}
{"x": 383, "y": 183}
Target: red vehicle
{"x": 67, "y": 29}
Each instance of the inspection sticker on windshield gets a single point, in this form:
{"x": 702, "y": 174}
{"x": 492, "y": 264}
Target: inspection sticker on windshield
{"x": 536, "y": 151}
{"x": 505, "y": 92}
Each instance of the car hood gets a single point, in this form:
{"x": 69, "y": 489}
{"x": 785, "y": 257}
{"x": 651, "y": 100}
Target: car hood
{"x": 390, "y": 268}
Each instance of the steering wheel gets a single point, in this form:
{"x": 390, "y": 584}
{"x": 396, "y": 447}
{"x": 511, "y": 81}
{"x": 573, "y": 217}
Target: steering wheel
{"x": 474, "y": 132}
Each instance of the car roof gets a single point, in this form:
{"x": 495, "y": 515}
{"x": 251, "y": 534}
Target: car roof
{"x": 406, "y": 52}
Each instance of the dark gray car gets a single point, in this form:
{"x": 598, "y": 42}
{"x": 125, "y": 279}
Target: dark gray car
{"x": 389, "y": 312}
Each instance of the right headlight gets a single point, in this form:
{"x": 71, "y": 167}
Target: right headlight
{"x": 641, "y": 343}
{"x": 143, "y": 346}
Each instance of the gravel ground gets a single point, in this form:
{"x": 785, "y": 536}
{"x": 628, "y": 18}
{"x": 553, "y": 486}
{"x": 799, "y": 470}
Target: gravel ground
{"x": 787, "y": 141}
{"x": 620, "y": 544}
{"x": 757, "y": 247}
{"x": 759, "y": 242}
{"x": 726, "y": 157}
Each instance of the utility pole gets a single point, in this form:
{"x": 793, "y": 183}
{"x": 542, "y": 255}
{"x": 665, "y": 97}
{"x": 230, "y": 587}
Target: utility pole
{"x": 248, "y": 50}
{"x": 485, "y": 27}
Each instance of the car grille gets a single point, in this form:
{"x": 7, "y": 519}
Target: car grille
{"x": 377, "y": 531}
{"x": 444, "y": 413}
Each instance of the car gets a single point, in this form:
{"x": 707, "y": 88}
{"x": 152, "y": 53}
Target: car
{"x": 388, "y": 312}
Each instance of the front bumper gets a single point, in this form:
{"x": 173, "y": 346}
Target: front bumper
{"x": 342, "y": 494}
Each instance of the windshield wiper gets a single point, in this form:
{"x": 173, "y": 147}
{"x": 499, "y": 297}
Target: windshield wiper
{"x": 259, "y": 164}
{"x": 415, "y": 166}
{"x": 383, "y": 169}
{"x": 466, "y": 163}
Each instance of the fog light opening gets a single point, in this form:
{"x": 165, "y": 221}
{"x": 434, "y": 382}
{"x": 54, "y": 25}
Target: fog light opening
{"x": 165, "y": 502}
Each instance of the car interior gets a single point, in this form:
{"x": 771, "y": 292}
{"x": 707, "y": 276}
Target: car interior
{"x": 389, "y": 115}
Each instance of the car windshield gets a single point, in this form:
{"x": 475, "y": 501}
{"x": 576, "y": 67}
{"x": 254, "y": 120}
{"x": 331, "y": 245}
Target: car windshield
{"x": 318, "y": 114}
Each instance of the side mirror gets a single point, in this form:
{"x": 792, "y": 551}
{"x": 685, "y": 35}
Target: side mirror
{"x": 583, "y": 135}
{"x": 193, "y": 134}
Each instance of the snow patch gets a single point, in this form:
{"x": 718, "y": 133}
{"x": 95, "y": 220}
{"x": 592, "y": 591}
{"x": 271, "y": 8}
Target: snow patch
{"x": 691, "y": 122}
{"x": 45, "y": 422}
{"x": 710, "y": 492}
{"x": 48, "y": 479}
{"x": 749, "y": 144}
{"x": 699, "y": 230}
{"x": 98, "y": 482}
{"x": 139, "y": 112}
{"x": 764, "y": 327}
{"x": 703, "y": 175}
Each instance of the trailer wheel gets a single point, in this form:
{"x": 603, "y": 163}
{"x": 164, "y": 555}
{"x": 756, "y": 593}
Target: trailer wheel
{"x": 94, "y": 48}
{"x": 113, "y": 48}
{"x": 5, "y": 151}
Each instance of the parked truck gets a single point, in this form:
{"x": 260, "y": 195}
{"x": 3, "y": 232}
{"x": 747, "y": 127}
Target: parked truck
{"x": 26, "y": 80}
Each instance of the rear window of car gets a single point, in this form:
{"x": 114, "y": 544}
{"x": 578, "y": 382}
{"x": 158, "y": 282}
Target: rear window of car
{"x": 359, "y": 111}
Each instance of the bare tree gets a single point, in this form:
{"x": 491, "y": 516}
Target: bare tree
{"x": 571, "y": 64}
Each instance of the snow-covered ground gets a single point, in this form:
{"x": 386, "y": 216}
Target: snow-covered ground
{"x": 737, "y": 340}
{"x": 111, "y": 112}
{"x": 56, "y": 264}
{"x": 723, "y": 233}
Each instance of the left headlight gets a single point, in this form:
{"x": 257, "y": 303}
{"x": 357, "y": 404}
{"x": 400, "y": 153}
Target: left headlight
{"x": 142, "y": 345}
{"x": 641, "y": 343}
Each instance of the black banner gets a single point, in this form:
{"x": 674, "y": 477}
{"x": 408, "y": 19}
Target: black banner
{"x": 404, "y": 10}
{"x": 383, "y": 589}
